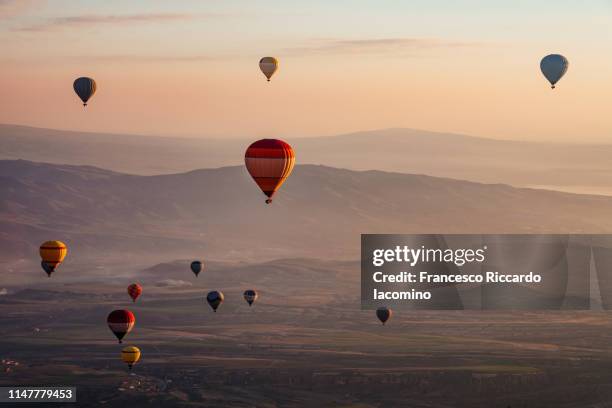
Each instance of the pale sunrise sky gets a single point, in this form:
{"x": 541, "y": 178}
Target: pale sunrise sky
{"x": 190, "y": 68}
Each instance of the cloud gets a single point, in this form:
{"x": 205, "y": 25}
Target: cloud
{"x": 173, "y": 283}
{"x": 143, "y": 58}
{"x": 375, "y": 46}
{"x": 10, "y": 8}
{"x": 121, "y": 19}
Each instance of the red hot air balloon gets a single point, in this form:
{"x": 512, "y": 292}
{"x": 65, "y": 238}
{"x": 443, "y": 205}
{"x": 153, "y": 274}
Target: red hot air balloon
{"x": 134, "y": 290}
{"x": 121, "y": 322}
{"x": 269, "y": 161}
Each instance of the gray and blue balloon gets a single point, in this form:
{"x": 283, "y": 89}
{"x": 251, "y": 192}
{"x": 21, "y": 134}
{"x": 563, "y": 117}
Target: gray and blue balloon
{"x": 554, "y": 66}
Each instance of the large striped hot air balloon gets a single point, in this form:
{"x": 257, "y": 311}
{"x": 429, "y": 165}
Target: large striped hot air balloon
{"x": 52, "y": 254}
{"x": 268, "y": 66}
{"x": 269, "y": 161}
{"x": 121, "y": 322}
{"x": 134, "y": 290}
{"x": 130, "y": 355}
{"x": 85, "y": 88}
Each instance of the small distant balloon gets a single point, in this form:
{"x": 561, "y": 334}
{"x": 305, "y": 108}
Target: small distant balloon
{"x": 196, "y": 267}
{"x": 130, "y": 355}
{"x": 250, "y": 296}
{"x": 554, "y": 66}
{"x": 47, "y": 268}
{"x": 85, "y": 88}
{"x": 269, "y": 162}
{"x": 52, "y": 254}
{"x": 121, "y": 323}
{"x": 215, "y": 299}
{"x": 268, "y": 66}
{"x": 134, "y": 290}
{"x": 384, "y": 314}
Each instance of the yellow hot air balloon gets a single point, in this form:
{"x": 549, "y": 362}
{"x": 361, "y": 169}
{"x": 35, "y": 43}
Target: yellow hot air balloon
{"x": 52, "y": 254}
{"x": 268, "y": 66}
{"x": 130, "y": 355}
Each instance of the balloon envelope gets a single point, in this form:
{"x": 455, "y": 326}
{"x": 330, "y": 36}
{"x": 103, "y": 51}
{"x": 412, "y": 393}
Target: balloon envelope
{"x": 383, "y": 314}
{"x": 52, "y": 254}
{"x": 196, "y": 267}
{"x": 134, "y": 290}
{"x": 121, "y": 322}
{"x": 269, "y": 162}
{"x": 268, "y": 66}
{"x": 85, "y": 88}
{"x": 554, "y": 66}
{"x": 250, "y": 296}
{"x": 130, "y": 355}
{"x": 215, "y": 299}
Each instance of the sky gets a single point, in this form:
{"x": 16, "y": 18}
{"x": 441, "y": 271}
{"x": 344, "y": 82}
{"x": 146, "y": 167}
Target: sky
{"x": 190, "y": 68}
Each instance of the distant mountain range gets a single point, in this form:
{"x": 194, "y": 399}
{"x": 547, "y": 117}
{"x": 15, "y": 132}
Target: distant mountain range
{"x": 320, "y": 212}
{"x": 583, "y": 168}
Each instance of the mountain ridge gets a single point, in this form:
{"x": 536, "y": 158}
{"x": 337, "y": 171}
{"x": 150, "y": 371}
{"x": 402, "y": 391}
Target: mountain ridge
{"x": 320, "y": 212}
{"x": 581, "y": 168}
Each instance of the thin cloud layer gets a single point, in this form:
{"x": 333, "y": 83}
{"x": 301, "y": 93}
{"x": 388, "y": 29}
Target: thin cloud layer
{"x": 144, "y": 58}
{"x": 93, "y": 20}
{"x": 375, "y": 46}
{"x": 10, "y": 8}
{"x": 173, "y": 283}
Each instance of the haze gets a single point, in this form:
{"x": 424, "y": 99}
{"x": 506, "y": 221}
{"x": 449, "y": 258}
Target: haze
{"x": 190, "y": 68}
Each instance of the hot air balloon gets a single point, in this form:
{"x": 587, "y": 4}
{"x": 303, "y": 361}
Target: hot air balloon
{"x": 134, "y": 290}
{"x": 214, "y": 299}
{"x": 250, "y": 296}
{"x": 196, "y": 267}
{"x": 554, "y": 66}
{"x": 85, "y": 88}
{"x": 268, "y": 66}
{"x": 269, "y": 161}
{"x": 47, "y": 268}
{"x": 384, "y": 314}
{"x": 52, "y": 254}
{"x": 121, "y": 322}
{"x": 130, "y": 355}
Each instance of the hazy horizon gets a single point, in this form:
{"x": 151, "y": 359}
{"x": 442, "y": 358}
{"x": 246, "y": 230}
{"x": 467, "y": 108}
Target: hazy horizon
{"x": 247, "y": 137}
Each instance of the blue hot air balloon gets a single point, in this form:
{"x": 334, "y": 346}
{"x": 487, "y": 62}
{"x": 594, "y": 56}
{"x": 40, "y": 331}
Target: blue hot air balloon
{"x": 554, "y": 66}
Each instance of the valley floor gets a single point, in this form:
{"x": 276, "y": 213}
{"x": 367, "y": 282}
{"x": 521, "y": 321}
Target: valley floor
{"x": 310, "y": 345}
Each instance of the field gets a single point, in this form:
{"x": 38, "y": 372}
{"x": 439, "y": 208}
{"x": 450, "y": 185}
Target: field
{"x": 304, "y": 343}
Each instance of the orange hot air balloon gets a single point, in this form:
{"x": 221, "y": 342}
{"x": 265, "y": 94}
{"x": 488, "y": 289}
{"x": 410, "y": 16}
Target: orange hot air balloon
{"x": 52, "y": 254}
{"x": 134, "y": 290}
{"x": 269, "y": 161}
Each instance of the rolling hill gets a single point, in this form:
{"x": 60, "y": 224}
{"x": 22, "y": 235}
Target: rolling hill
{"x": 320, "y": 212}
{"x": 583, "y": 168}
